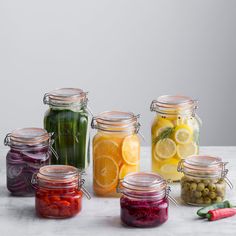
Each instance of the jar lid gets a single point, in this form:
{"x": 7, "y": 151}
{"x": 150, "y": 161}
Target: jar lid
{"x": 26, "y": 136}
{"x": 58, "y": 173}
{"x": 144, "y": 181}
{"x": 198, "y": 165}
{"x": 144, "y": 185}
{"x": 116, "y": 121}
{"x": 172, "y": 103}
{"x": 65, "y": 97}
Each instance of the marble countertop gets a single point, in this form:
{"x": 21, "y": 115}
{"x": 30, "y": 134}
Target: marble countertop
{"x": 100, "y": 216}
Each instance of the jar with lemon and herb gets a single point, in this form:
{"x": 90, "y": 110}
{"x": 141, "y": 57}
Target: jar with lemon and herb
{"x": 116, "y": 150}
{"x": 175, "y": 133}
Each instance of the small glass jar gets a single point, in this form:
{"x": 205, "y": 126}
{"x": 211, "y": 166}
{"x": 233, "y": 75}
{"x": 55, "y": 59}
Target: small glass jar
{"x": 204, "y": 180}
{"x": 67, "y": 118}
{"x": 144, "y": 201}
{"x": 59, "y": 191}
{"x": 116, "y": 150}
{"x": 29, "y": 150}
{"x": 175, "y": 134}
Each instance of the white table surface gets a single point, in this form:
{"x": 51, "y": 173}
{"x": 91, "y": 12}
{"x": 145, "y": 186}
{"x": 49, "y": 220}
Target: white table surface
{"x": 100, "y": 216}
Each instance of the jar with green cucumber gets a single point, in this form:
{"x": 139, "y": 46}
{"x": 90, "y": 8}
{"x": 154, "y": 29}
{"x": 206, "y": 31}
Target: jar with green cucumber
{"x": 68, "y": 119}
{"x": 204, "y": 181}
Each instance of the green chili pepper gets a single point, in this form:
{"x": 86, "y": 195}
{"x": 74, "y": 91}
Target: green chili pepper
{"x": 203, "y": 211}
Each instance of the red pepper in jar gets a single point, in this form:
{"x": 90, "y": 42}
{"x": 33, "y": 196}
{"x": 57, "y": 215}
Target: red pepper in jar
{"x": 58, "y": 194}
{"x": 218, "y": 214}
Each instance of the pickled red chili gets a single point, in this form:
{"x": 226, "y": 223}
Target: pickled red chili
{"x": 59, "y": 191}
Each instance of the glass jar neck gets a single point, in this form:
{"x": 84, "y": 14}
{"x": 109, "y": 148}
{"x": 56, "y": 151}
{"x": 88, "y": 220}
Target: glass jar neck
{"x": 42, "y": 147}
{"x": 143, "y": 195}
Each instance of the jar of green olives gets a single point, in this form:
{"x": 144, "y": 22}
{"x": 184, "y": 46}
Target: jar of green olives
{"x": 204, "y": 180}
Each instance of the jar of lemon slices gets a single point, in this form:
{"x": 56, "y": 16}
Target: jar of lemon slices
{"x": 116, "y": 150}
{"x": 175, "y": 133}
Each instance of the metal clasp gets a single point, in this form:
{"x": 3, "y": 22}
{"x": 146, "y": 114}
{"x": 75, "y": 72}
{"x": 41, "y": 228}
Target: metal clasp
{"x": 46, "y": 99}
{"x": 172, "y": 199}
{"x": 7, "y": 140}
{"x": 51, "y": 142}
{"x": 224, "y": 175}
{"x": 118, "y": 187}
{"x": 180, "y": 166}
{"x": 153, "y": 105}
{"x": 93, "y": 125}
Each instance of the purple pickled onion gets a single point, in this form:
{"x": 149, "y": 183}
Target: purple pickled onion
{"x": 14, "y": 171}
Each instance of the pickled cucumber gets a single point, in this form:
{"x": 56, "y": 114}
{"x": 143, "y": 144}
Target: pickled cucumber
{"x": 202, "y": 191}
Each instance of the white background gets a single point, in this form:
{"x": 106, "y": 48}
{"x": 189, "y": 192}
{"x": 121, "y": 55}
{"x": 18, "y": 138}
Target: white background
{"x": 125, "y": 53}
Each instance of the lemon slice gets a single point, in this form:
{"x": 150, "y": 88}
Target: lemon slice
{"x": 165, "y": 148}
{"x": 169, "y": 171}
{"x": 161, "y": 125}
{"x": 106, "y": 172}
{"x": 185, "y": 150}
{"x": 183, "y": 134}
{"x": 126, "y": 169}
{"x": 107, "y": 148}
{"x": 131, "y": 150}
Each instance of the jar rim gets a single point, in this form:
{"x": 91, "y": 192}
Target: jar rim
{"x": 27, "y": 136}
{"x": 65, "y": 97}
{"x": 203, "y": 165}
{"x": 173, "y": 103}
{"x": 116, "y": 121}
{"x": 144, "y": 185}
{"x": 58, "y": 173}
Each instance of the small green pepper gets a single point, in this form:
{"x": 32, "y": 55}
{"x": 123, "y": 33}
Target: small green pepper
{"x": 203, "y": 211}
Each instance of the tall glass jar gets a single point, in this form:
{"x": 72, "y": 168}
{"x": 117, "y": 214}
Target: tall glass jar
{"x": 204, "y": 180}
{"x": 144, "y": 201}
{"x": 67, "y": 118}
{"x": 175, "y": 134}
{"x": 29, "y": 150}
{"x": 116, "y": 150}
{"x": 59, "y": 191}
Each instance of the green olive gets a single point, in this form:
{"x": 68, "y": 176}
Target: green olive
{"x": 205, "y": 192}
{"x": 212, "y": 187}
{"x": 186, "y": 186}
{"x": 197, "y": 194}
{"x": 200, "y": 186}
{"x": 212, "y": 195}
{"x": 207, "y": 200}
{"x": 219, "y": 199}
{"x": 206, "y": 182}
{"x": 193, "y": 186}
{"x": 199, "y": 200}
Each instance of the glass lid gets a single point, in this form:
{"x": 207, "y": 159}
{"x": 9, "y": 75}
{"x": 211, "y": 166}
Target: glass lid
{"x": 116, "y": 121}
{"x": 65, "y": 96}
{"x": 145, "y": 181}
{"x": 58, "y": 173}
{"x": 27, "y": 136}
{"x": 203, "y": 165}
{"x": 176, "y": 102}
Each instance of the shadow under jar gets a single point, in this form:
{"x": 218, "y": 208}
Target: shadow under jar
{"x": 59, "y": 191}
{"x": 67, "y": 118}
{"x": 144, "y": 201}
{"x": 116, "y": 150}
{"x": 204, "y": 180}
{"x": 175, "y": 133}
{"x": 29, "y": 150}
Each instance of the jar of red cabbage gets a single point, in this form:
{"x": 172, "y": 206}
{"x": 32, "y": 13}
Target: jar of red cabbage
{"x": 29, "y": 150}
{"x": 144, "y": 201}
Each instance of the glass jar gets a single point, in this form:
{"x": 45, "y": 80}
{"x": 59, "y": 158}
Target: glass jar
{"x": 29, "y": 150}
{"x": 144, "y": 201}
{"x": 67, "y": 118}
{"x": 116, "y": 150}
{"x": 204, "y": 180}
{"x": 59, "y": 191}
{"x": 175, "y": 134}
